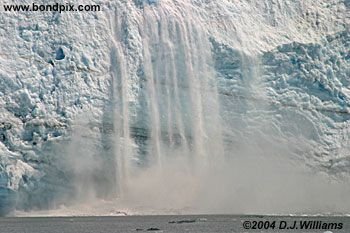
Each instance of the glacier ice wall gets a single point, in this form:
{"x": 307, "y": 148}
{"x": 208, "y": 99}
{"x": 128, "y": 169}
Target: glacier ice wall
{"x": 282, "y": 71}
{"x": 317, "y": 79}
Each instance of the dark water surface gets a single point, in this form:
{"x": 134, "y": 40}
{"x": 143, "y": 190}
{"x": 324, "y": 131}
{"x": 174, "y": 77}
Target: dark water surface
{"x": 176, "y": 224}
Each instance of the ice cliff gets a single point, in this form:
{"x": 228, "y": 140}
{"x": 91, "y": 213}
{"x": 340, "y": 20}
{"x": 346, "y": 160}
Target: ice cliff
{"x": 282, "y": 70}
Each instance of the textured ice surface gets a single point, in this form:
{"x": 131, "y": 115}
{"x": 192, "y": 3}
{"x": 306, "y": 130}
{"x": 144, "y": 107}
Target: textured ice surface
{"x": 283, "y": 69}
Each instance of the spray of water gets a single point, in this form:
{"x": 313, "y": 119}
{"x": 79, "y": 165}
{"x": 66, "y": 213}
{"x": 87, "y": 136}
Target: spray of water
{"x": 178, "y": 99}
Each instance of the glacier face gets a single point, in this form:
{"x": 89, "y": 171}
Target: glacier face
{"x": 282, "y": 71}
{"x": 314, "y": 79}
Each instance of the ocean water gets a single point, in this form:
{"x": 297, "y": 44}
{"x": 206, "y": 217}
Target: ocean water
{"x": 176, "y": 224}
